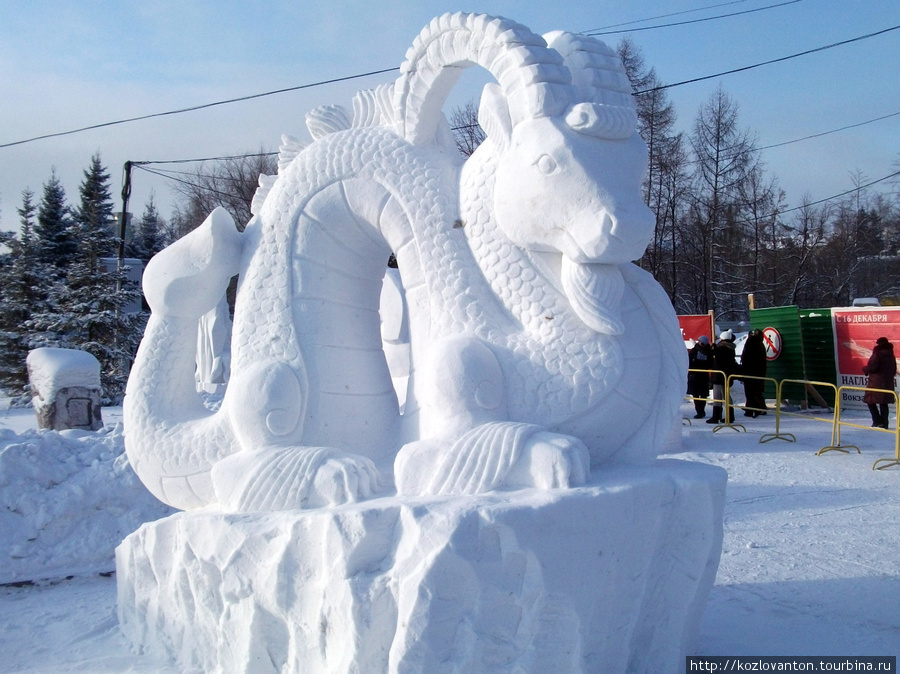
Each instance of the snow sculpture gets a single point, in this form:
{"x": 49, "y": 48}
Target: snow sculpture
{"x": 610, "y": 577}
{"x": 537, "y": 351}
{"x": 66, "y": 388}
{"x": 213, "y": 340}
{"x": 537, "y": 347}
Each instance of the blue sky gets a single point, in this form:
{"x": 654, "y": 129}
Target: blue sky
{"x": 65, "y": 65}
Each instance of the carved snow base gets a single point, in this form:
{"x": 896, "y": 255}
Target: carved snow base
{"x": 611, "y": 577}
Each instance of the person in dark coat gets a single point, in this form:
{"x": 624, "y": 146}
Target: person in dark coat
{"x": 724, "y": 360}
{"x": 881, "y": 369}
{"x": 699, "y": 359}
{"x": 753, "y": 363}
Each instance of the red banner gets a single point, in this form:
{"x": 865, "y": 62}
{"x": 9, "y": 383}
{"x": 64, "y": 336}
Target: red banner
{"x": 855, "y": 332}
{"x": 695, "y": 325}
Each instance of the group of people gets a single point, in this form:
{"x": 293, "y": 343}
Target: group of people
{"x": 714, "y": 363}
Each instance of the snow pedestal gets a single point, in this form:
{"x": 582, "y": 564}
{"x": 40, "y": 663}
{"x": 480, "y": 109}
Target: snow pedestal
{"x": 610, "y": 577}
{"x": 66, "y": 388}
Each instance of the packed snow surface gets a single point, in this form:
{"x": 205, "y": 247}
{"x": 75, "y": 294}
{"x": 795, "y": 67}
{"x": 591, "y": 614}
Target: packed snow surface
{"x": 809, "y": 563}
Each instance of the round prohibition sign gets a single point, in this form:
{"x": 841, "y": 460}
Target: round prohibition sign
{"x": 772, "y": 342}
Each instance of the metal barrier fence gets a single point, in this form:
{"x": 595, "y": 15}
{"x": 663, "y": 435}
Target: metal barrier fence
{"x": 839, "y": 423}
{"x": 834, "y": 418}
{"x": 725, "y": 403}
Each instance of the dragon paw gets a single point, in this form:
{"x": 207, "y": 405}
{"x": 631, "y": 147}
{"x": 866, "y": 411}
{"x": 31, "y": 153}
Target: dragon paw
{"x": 495, "y": 455}
{"x": 551, "y": 461}
{"x": 289, "y": 478}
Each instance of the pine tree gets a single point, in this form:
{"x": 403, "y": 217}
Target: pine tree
{"x": 94, "y": 217}
{"x": 150, "y": 236}
{"x": 85, "y": 309}
{"x": 24, "y": 286}
{"x": 54, "y": 228}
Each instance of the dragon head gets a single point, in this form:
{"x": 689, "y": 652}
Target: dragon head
{"x": 570, "y": 183}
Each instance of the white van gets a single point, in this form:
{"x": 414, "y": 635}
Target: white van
{"x": 865, "y": 302}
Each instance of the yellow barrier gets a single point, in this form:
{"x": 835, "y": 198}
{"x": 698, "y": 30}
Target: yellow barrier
{"x": 779, "y": 409}
{"x": 726, "y": 402}
{"x": 834, "y": 420}
{"x": 839, "y": 423}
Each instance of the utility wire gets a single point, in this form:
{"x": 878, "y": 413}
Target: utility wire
{"x": 837, "y": 196}
{"x": 184, "y": 182}
{"x": 664, "y": 16}
{"x": 199, "y": 107}
{"x": 825, "y": 133}
{"x": 387, "y": 70}
{"x": 466, "y": 126}
{"x": 728, "y": 157}
{"x": 225, "y": 158}
{"x": 766, "y": 63}
{"x": 685, "y": 23}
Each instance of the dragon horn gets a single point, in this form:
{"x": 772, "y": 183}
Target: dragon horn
{"x": 605, "y": 105}
{"x": 533, "y": 77}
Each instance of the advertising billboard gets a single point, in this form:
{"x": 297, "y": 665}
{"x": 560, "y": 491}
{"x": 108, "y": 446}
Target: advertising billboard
{"x": 855, "y": 332}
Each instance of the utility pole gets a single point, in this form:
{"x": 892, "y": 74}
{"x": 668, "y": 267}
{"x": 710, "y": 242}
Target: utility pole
{"x": 126, "y": 194}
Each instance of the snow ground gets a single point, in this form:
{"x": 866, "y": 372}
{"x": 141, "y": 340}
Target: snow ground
{"x": 809, "y": 564}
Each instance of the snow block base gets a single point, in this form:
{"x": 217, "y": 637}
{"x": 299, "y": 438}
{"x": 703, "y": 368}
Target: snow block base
{"x": 610, "y": 577}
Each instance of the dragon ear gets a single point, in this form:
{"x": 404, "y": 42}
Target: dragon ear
{"x": 493, "y": 114}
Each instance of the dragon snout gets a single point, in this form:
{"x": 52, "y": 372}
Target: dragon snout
{"x": 614, "y": 236}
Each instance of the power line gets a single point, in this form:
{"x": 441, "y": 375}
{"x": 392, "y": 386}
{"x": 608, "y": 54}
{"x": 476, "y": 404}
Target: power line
{"x": 224, "y": 158}
{"x": 198, "y": 107}
{"x": 826, "y": 133}
{"x": 684, "y": 23}
{"x": 798, "y": 140}
{"x": 464, "y": 126}
{"x": 838, "y": 196}
{"x": 179, "y": 180}
{"x": 766, "y": 63}
{"x": 387, "y": 70}
{"x": 666, "y": 16}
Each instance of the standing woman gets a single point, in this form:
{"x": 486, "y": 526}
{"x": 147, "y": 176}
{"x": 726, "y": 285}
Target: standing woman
{"x": 753, "y": 363}
{"x": 881, "y": 368}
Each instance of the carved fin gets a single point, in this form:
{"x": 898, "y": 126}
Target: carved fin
{"x": 327, "y": 119}
{"x": 290, "y": 148}
{"x": 259, "y": 197}
{"x": 365, "y": 109}
{"x": 384, "y": 99}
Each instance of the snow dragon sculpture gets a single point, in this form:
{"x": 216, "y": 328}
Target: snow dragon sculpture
{"x": 538, "y": 348}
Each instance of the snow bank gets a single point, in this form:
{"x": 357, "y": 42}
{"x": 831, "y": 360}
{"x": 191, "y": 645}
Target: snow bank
{"x": 611, "y": 577}
{"x": 68, "y": 498}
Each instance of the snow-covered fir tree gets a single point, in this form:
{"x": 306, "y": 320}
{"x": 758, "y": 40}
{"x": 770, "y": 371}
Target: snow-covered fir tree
{"x": 150, "y": 235}
{"x": 54, "y": 227}
{"x": 24, "y": 286}
{"x": 85, "y": 308}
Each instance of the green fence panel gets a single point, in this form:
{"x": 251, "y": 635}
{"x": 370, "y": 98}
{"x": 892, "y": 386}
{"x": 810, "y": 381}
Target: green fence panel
{"x": 818, "y": 350}
{"x": 784, "y": 337}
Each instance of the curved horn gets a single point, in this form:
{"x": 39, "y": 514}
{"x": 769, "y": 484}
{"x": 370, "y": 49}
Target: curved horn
{"x": 532, "y": 77}
{"x": 605, "y": 105}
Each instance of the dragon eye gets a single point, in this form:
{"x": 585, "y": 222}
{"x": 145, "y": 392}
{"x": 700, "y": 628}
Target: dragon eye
{"x": 546, "y": 164}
